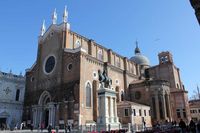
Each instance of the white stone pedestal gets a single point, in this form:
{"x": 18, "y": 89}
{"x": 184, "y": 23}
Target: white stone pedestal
{"x": 107, "y": 119}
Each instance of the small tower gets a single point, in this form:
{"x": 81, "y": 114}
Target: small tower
{"x": 54, "y": 17}
{"x": 65, "y": 15}
{"x": 165, "y": 57}
{"x": 43, "y": 29}
{"x": 196, "y": 5}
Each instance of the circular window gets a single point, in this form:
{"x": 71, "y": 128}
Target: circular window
{"x": 94, "y": 75}
{"x": 50, "y": 64}
{"x": 117, "y": 81}
{"x": 69, "y": 67}
{"x": 137, "y": 95}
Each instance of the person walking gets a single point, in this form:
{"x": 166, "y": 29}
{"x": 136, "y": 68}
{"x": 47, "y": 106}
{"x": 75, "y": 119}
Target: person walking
{"x": 31, "y": 127}
{"x": 182, "y": 125}
{"x": 66, "y": 128}
{"x": 69, "y": 127}
{"x": 49, "y": 128}
{"x": 192, "y": 126}
{"x": 144, "y": 123}
{"x": 42, "y": 126}
{"x": 198, "y": 126}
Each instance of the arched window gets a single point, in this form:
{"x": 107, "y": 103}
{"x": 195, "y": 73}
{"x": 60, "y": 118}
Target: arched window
{"x": 117, "y": 62}
{"x": 17, "y": 95}
{"x": 100, "y": 55}
{"x": 77, "y": 44}
{"x": 177, "y": 86}
{"x": 122, "y": 96}
{"x": 88, "y": 95}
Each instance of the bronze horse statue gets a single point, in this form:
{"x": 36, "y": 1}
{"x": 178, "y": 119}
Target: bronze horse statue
{"x": 103, "y": 78}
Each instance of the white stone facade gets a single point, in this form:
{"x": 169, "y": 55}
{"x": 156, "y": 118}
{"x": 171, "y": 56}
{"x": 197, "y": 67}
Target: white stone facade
{"x": 12, "y": 89}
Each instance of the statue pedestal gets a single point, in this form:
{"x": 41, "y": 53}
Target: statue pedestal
{"x": 107, "y": 119}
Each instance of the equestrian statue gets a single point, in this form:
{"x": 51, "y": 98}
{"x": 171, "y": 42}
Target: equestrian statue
{"x": 104, "y": 79}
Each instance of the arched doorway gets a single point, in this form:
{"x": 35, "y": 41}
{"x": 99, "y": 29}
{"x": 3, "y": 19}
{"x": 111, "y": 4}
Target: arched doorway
{"x": 45, "y": 112}
{"x": 46, "y": 117}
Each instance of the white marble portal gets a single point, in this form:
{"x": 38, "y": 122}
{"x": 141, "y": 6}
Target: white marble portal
{"x": 39, "y": 114}
{"x": 107, "y": 119}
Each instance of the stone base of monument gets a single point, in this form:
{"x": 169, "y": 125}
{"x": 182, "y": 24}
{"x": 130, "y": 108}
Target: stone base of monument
{"x": 107, "y": 119}
{"x": 108, "y": 127}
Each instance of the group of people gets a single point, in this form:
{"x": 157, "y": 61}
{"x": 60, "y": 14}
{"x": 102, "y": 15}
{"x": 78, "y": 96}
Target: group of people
{"x": 41, "y": 127}
{"x": 3, "y": 126}
{"x": 192, "y": 127}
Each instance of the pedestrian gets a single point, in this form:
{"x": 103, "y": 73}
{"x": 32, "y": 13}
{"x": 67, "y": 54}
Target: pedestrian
{"x": 49, "y": 128}
{"x": 175, "y": 123}
{"x": 69, "y": 127}
{"x": 198, "y": 126}
{"x": 66, "y": 128}
{"x": 172, "y": 123}
{"x": 144, "y": 123}
{"x": 157, "y": 125}
{"x": 38, "y": 128}
{"x": 192, "y": 126}
{"x": 22, "y": 126}
{"x": 42, "y": 126}
{"x": 182, "y": 125}
{"x": 31, "y": 127}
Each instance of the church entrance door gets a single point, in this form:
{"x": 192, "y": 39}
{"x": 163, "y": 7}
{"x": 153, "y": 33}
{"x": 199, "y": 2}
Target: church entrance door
{"x": 46, "y": 113}
{"x": 2, "y": 123}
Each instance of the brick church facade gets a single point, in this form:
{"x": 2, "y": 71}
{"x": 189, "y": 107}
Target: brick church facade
{"x": 62, "y": 84}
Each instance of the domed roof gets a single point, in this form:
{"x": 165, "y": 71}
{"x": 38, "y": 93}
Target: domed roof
{"x": 139, "y": 58}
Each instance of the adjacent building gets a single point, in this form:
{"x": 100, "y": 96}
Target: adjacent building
{"x": 12, "y": 89}
{"x": 134, "y": 113}
{"x": 62, "y": 84}
{"x": 195, "y": 109}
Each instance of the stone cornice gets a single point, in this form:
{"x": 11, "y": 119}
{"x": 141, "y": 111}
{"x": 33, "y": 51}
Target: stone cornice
{"x": 115, "y": 68}
{"x": 151, "y": 82}
{"x": 14, "y": 80}
{"x": 179, "y": 91}
{"x": 131, "y": 74}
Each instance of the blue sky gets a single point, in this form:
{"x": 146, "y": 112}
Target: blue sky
{"x": 157, "y": 25}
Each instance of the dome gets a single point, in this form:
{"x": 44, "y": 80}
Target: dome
{"x": 140, "y": 59}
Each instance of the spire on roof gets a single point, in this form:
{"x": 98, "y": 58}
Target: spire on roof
{"x": 137, "y": 50}
{"x": 54, "y": 17}
{"x": 43, "y": 28}
{"x": 65, "y": 15}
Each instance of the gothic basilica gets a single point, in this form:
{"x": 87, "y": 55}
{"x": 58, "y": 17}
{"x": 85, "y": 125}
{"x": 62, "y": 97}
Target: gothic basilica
{"x": 62, "y": 84}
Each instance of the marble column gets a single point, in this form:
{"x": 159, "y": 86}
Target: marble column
{"x": 34, "y": 117}
{"x": 111, "y": 110}
{"x": 40, "y": 115}
{"x": 37, "y": 118}
{"x": 115, "y": 110}
{"x": 164, "y": 107}
{"x": 168, "y": 107}
{"x": 157, "y": 107}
